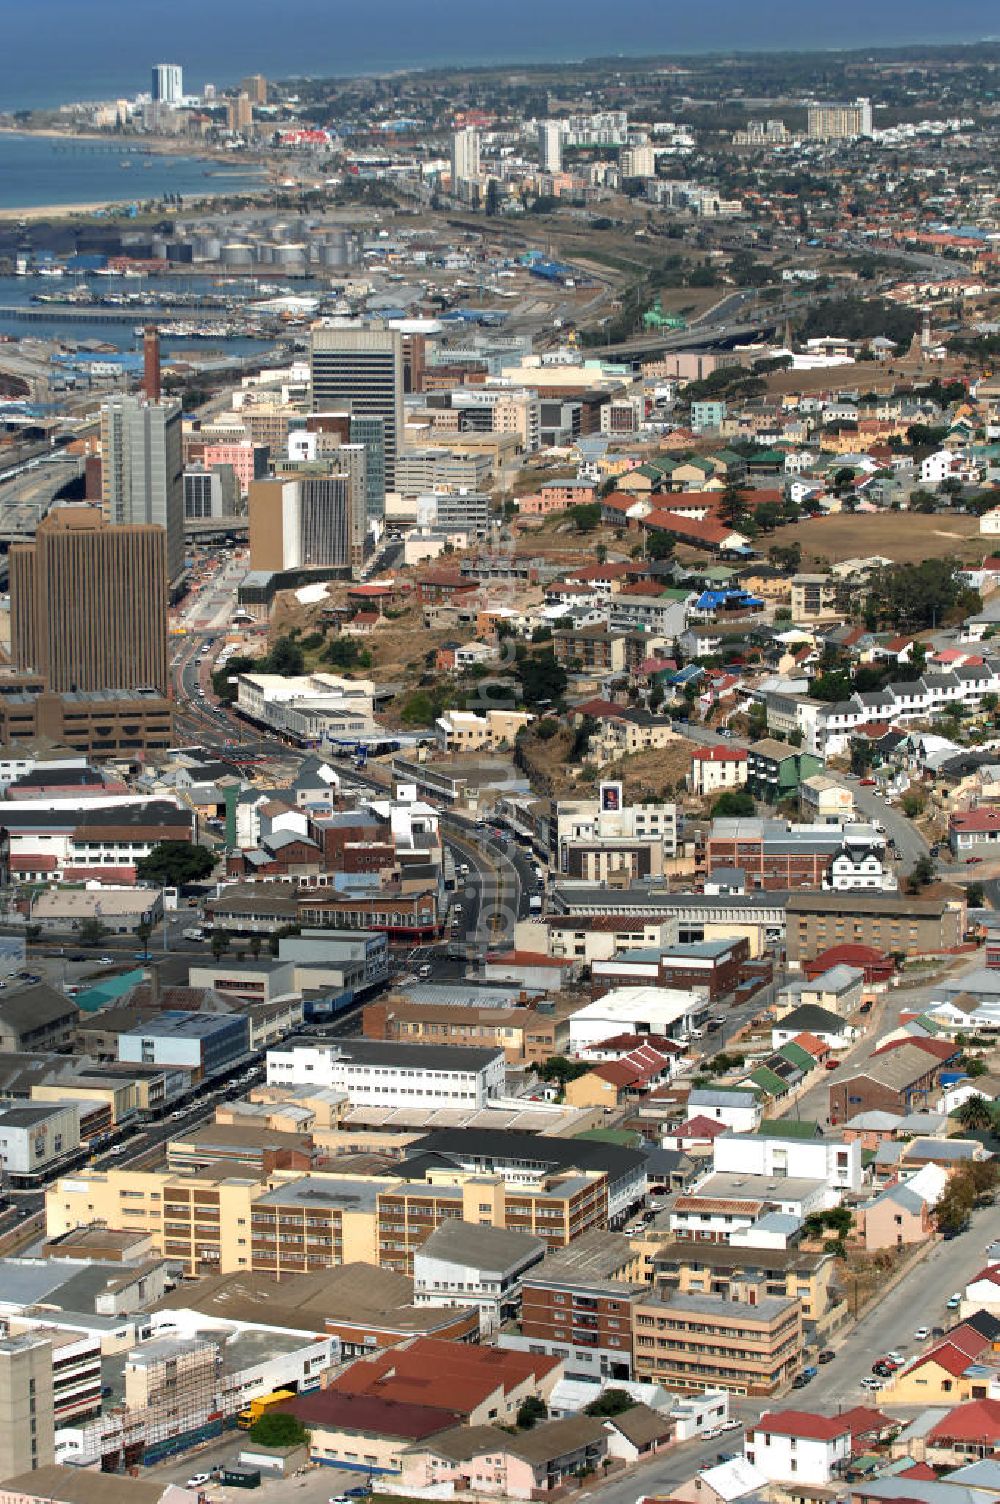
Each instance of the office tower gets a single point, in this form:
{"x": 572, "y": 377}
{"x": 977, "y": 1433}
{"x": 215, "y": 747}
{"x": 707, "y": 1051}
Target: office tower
{"x": 168, "y": 83}
{"x": 88, "y": 603}
{"x": 255, "y": 88}
{"x": 369, "y": 431}
{"x": 151, "y": 363}
{"x": 550, "y": 145}
{"x": 143, "y": 467}
{"x": 836, "y": 121}
{"x": 306, "y": 521}
{"x": 464, "y": 157}
{"x": 239, "y": 114}
{"x": 27, "y": 1407}
{"x": 363, "y": 365}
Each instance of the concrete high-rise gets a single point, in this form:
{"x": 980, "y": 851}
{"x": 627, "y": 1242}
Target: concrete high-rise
{"x": 837, "y": 121}
{"x": 27, "y": 1406}
{"x": 143, "y": 469}
{"x": 88, "y": 603}
{"x": 239, "y": 114}
{"x": 363, "y": 365}
{"x": 167, "y": 83}
{"x": 550, "y": 145}
{"x": 464, "y": 157}
{"x": 312, "y": 519}
{"x": 255, "y": 88}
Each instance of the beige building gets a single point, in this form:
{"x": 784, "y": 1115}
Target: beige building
{"x": 824, "y": 801}
{"x": 27, "y": 1405}
{"x": 697, "y": 1342}
{"x": 816, "y": 598}
{"x": 466, "y": 731}
{"x": 817, "y": 921}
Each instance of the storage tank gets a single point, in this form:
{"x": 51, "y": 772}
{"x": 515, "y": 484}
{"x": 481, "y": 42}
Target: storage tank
{"x": 290, "y": 255}
{"x": 237, "y": 253}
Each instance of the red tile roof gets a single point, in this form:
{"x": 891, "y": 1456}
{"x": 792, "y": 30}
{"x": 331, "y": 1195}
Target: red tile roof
{"x": 921, "y": 1470}
{"x": 698, "y": 1127}
{"x": 719, "y": 754}
{"x": 807, "y": 1041}
{"x": 979, "y": 1421}
{"x": 863, "y": 1420}
{"x": 370, "y": 1414}
{"x": 802, "y": 1423}
{"x": 433, "y": 1372}
{"x": 975, "y": 819}
{"x": 941, "y": 1049}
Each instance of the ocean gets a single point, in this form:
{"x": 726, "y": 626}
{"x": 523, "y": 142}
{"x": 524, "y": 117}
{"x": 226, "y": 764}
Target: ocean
{"x": 39, "y": 170}
{"x": 60, "y": 50}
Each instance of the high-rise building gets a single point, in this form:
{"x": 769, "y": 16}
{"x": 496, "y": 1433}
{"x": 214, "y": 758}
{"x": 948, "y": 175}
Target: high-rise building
{"x": 464, "y": 157}
{"x": 637, "y": 161}
{"x": 143, "y": 466}
{"x": 369, "y": 430}
{"x": 836, "y": 121}
{"x": 27, "y": 1406}
{"x": 239, "y": 114}
{"x": 255, "y": 88}
{"x": 362, "y": 364}
{"x": 168, "y": 83}
{"x": 307, "y": 521}
{"x": 550, "y": 145}
{"x": 88, "y": 603}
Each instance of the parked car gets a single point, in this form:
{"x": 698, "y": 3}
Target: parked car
{"x": 922, "y": 1333}
{"x": 955, "y": 1301}
{"x": 810, "y": 1372}
{"x": 895, "y": 1356}
{"x": 107, "y": 961}
{"x": 830, "y": 1064}
{"x": 866, "y": 783}
{"x": 800, "y": 1381}
{"x": 826, "y": 1356}
{"x": 873, "y": 1384}
{"x": 973, "y": 861}
{"x": 197, "y": 1479}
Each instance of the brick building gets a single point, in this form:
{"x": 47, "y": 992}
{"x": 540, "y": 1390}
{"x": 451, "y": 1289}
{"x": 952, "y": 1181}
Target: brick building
{"x": 901, "y": 1081}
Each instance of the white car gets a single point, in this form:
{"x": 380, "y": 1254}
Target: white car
{"x": 922, "y": 1333}
{"x": 197, "y": 1479}
{"x": 106, "y": 961}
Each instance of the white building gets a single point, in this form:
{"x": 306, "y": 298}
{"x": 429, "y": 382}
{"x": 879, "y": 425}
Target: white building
{"x": 655, "y": 1011}
{"x": 464, "y": 157}
{"x": 35, "y": 1135}
{"x": 832, "y": 1160}
{"x": 716, "y": 768}
{"x": 738, "y": 1107}
{"x": 377, "y": 1073}
{"x": 461, "y": 1264}
{"x": 550, "y": 134}
{"x": 798, "y": 1447}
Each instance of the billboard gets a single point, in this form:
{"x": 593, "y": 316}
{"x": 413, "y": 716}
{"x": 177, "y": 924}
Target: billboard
{"x": 610, "y": 796}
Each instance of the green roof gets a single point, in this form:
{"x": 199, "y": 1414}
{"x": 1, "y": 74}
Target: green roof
{"x": 767, "y": 456}
{"x": 797, "y": 1055}
{"x": 650, "y": 471}
{"x": 928, "y": 1023}
{"x": 108, "y": 991}
{"x": 740, "y": 1086}
{"x": 769, "y": 1081}
{"x": 788, "y": 1128}
{"x": 727, "y": 456}
{"x": 627, "y": 1138}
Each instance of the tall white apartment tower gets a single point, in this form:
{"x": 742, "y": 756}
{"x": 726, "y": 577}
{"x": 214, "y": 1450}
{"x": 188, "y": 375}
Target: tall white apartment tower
{"x": 168, "y": 83}
{"x": 142, "y": 469}
{"x": 550, "y": 145}
{"x": 464, "y": 157}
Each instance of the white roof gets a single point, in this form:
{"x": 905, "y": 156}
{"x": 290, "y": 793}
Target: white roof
{"x": 732, "y": 1480}
{"x": 665, "y": 1005}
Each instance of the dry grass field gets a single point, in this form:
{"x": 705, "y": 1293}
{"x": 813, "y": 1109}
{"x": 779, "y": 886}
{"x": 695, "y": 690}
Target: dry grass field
{"x": 905, "y": 537}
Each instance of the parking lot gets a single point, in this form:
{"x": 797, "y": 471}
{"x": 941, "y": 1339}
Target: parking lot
{"x": 315, "y": 1485}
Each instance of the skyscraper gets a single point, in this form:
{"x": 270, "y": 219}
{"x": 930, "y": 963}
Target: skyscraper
{"x": 143, "y": 467}
{"x": 255, "y": 88}
{"x": 88, "y": 603}
{"x": 362, "y": 364}
{"x": 168, "y": 83}
{"x": 239, "y": 114}
{"x": 151, "y": 362}
{"x": 308, "y": 519}
{"x": 550, "y": 145}
{"x": 464, "y": 157}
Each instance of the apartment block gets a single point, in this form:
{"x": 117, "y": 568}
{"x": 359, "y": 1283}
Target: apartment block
{"x": 696, "y": 1342}
{"x": 524, "y": 1035}
{"x": 27, "y": 1405}
{"x": 816, "y": 921}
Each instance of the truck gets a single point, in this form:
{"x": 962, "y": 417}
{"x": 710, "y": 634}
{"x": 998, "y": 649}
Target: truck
{"x": 194, "y": 932}
{"x": 251, "y": 1414}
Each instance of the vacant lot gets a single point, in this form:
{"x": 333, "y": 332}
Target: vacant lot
{"x": 906, "y": 537}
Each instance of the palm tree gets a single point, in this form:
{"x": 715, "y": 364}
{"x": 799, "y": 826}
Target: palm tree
{"x": 975, "y": 1114}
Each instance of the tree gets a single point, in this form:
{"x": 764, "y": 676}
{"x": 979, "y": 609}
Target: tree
{"x": 659, "y": 545}
{"x": 912, "y": 803}
{"x": 585, "y": 517}
{"x": 923, "y": 873}
{"x": 143, "y": 932}
{"x": 975, "y": 1114}
{"x": 559, "y": 1068}
{"x": 733, "y": 804}
{"x": 975, "y": 1066}
{"x": 276, "y": 1428}
{"x": 220, "y": 944}
{"x": 531, "y": 1411}
{"x": 173, "y": 863}
{"x": 542, "y": 678}
{"x": 91, "y": 931}
{"x": 285, "y": 658}
{"x": 256, "y": 941}
{"x": 601, "y": 553}
{"x": 975, "y": 895}
{"x": 610, "y": 1402}
{"x": 732, "y": 507}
